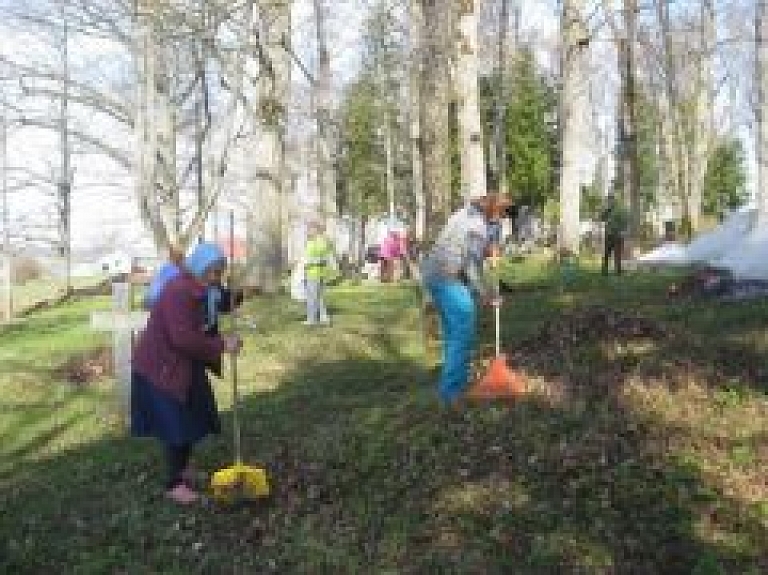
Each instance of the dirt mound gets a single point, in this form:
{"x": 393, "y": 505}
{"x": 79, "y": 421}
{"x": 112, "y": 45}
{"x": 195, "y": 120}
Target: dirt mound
{"x": 85, "y": 368}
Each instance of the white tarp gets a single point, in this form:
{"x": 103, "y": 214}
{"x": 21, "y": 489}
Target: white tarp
{"x": 669, "y": 253}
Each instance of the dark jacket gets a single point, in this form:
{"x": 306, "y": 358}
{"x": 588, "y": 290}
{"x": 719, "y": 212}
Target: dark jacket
{"x": 174, "y": 342}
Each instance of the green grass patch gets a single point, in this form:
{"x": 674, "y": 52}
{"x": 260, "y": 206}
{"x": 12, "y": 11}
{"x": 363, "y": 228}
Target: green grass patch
{"x": 638, "y": 450}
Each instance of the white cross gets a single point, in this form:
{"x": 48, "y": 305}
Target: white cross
{"x": 122, "y": 322}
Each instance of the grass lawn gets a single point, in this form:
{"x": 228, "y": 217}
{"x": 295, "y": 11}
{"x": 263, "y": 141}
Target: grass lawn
{"x": 642, "y": 447}
{"x": 34, "y": 291}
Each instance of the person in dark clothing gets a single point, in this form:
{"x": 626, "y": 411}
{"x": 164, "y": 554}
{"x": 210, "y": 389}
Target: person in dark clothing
{"x": 216, "y": 300}
{"x": 615, "y": 218}
{"x": 171, "y": 395}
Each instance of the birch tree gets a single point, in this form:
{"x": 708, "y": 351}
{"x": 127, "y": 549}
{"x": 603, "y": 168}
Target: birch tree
{"x": 761, "y": 109}
{"x": 703, "y": 133}
{"x": 416, "y": 27}
{"x": 436, "y": 79}
{"x": 573, "y": 49}
{"x": 270, "y": 177}
{"x": 628, "y": 140}
{"x": 470, "y": 125}
{"x": 321, "y": 96}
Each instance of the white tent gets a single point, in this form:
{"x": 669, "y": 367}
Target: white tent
{"x": 669, "y": 254}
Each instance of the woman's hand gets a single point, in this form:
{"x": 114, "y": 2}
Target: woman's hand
{"x": 492, "y": 301}
{"x": 232, "y": 344}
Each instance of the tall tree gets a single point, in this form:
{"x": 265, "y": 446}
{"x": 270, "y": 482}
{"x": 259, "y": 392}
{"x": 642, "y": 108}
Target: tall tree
{"x": 157, "y": 35}
{"x": 436, "y": 80}
{"x": 529, "y": 133}
{"x": 270, "y": 40}
{"x": 363, "y": 192}
{"x": 574, "y": 44}
{"x": 675, "y": 129}
{"x": 725, "y": 181}
{"x": 761, "y": 110}
{"x": 321, "y": 96}
{"x": 628, "y": 141}
{"x": 702, "y": 129}
{"x": 470, "y": 127}
{"x": 416, "y": 30}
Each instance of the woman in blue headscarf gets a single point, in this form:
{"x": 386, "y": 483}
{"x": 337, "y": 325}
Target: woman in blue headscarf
{"x": 172, "y": 399}
{"x": 217, "y": 300}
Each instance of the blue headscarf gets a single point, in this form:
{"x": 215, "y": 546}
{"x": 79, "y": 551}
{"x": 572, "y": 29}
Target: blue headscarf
{"x": 205, "y": 256}
{"x": 198, "y": 262}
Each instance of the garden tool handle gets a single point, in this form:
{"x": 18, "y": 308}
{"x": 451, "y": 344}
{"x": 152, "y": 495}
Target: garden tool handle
{"x": 233, "y": 355}
{"x": 235, "y": 411}
{"x": 497, "y": 314}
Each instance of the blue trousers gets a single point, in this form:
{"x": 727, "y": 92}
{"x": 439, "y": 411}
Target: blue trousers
{"x": 456, "y": 307}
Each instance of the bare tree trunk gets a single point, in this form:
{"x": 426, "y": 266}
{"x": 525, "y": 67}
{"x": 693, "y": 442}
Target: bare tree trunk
{"x": 470, "y": 126}
{"x": 155, "y": 126}
{"x": 499, "y": 154}
{"x": 416, "y": 32}
{"x": 322, "y": 102}
{"x": 572, "y": 68}
{"x": 702, "y": 126}
{"x": 628, "y": 122}
{"x": 761, "y": 111}
{"x": 675, "y": 119}
{"x": 65, "y": 177}
{"x": 6, "y": 262}
{"x": 269, "y": 201}
{"x": 435, "y": 122}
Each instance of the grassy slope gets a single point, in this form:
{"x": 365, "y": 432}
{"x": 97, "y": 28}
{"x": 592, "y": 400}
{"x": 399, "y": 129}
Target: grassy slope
{"x": 630, "y": 456}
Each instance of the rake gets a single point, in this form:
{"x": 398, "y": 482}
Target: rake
{"x": 239, "y": 482}
{"x": 499, "y": 381}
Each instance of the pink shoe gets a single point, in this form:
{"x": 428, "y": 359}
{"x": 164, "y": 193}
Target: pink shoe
{"x": 182, "y": 495}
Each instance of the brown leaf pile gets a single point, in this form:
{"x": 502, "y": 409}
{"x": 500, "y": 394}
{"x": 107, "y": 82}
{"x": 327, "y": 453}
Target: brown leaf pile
{"x": 591, "y": 349}
{"x": 591, "y": 324}
{"x": 85, "y": 368}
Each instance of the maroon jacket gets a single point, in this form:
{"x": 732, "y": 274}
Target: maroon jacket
{"x": 174, "y": 342}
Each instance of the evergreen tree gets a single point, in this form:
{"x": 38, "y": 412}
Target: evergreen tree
{"x": 725, "y": 179}
{"x": 531, "y": 136}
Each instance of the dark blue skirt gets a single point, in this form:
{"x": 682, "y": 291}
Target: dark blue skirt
{"x": 158, "y": 414}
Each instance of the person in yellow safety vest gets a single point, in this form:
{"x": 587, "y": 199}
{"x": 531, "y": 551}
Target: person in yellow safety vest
{"x": 318, "y": 256}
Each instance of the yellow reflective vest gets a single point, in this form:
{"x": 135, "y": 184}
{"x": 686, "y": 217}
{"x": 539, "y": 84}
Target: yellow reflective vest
{"x": 318, "y": 254}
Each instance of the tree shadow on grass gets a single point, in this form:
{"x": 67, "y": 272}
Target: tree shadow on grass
{"x": 370, "y": 476}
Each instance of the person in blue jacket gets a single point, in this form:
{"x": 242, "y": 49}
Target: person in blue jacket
{"x": 452, "y": 273}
